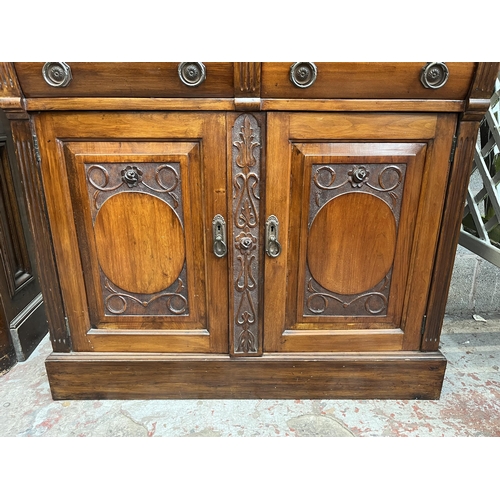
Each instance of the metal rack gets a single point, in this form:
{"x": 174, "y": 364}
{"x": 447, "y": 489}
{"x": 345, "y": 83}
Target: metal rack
{"x": 480, "y": 232}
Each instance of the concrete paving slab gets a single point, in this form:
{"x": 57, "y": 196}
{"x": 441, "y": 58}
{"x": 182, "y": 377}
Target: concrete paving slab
{"x": 469, "y": 405}
{"x": 487, "y": 297}
{"x": 475, "y": 285}
{"x": 462, "y": 288}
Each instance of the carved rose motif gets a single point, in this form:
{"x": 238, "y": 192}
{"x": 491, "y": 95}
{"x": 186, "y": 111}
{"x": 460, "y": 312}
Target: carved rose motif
{"x": 246, "y": 242}
{"x": 358, "y": 176}
{"x": 131, "y": 176}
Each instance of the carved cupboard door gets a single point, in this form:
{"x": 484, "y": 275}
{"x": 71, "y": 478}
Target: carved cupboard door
{"x": 131, "y": 200}
{"x": 358, "y": 200}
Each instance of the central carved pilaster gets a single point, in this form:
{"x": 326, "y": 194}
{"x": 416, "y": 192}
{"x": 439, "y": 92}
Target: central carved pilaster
{"x": 246, "y": 162}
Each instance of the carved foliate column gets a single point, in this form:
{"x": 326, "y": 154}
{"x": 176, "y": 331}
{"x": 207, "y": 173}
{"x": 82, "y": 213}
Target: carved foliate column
{"x": 245, "y": 235}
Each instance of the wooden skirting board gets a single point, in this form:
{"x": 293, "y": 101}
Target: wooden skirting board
{"x": 402, "y": 375}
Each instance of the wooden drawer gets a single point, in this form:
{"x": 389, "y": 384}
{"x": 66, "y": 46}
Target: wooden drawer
{"x": 126, "y": 80}
{"x": 366, "y": 81}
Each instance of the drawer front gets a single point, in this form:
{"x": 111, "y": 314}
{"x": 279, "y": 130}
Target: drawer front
{"x": 127, "y": 80}
{"x": 365, "y": 81}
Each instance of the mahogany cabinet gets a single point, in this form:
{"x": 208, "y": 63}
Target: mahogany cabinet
{"x": 247, "y": 230}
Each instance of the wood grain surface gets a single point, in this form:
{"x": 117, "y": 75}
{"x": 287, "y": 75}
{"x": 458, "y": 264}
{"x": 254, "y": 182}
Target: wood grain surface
{"x": 384, "y": 376}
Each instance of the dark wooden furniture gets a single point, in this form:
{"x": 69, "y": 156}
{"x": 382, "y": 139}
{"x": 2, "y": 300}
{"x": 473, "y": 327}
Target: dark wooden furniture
{"x": 246, "y": 230}
{"x": 23, "y": 322}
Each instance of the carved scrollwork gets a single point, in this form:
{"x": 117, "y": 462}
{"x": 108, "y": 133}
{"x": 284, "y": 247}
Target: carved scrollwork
{"x": 163, "y": 180}
{"x": 246, "y": 206}
{"x": 166, "y": 176}
{"x": 117, "y": 302}
{"x": 319, "y": 175}
{"x": 98, "y": 178}
{"x": 329, "y": 181}
{"x": 389, "y": 178}
{"x": 374, "y": 302}
{"x": 246, "y": 175}
{"x": 384, "y": 181}
{"x": 246, "y": 145}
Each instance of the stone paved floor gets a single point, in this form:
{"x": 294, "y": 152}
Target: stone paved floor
{"x": 469, "y": 404}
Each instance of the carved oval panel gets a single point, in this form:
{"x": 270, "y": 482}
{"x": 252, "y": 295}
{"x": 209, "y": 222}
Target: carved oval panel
{"x": 140, "y": 242}
{"x": 351, "y": 243}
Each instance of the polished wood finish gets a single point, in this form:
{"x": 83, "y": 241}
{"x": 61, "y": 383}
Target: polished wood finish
{"x": 400, "y": 105}
{"x": 365, "y": 80}
{"x": 39, "y": 226}
{"x": 135, "y": 263}
{"x": 126, "y": 80}
{"x": 246, "y": 169}
{"x": 317, "y": 297}
{"x": 15, "y": 258}
{"x": 357, "y": 169}
{"x": 129, "y": 104}
{"x": 247, "y": 77}
{"x": 230, "y": 104}
{"x": 405, "y": 375}
{"x": 88, "y": 204}
{"x": 10, "y": 91}
{"x": 21, "y": 303}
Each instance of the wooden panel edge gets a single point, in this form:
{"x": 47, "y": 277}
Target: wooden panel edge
{"x": 449, "y": 234}
{"x": 404, "y": 105}
{"x": 129, "y": 104}
{"x": 223, "y": 104}
{"x": 39, "y": 225}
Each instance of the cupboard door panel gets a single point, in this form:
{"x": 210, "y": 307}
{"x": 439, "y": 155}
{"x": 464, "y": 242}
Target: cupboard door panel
{"x": 141, "y": 233}
{"x": 351, "y": 212}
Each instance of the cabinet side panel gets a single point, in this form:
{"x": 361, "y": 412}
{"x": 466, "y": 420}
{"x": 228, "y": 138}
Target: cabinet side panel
{"x": 450, "y": 232}
{"x": 39, "y": 225}
{"x": 425, "y": 242}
